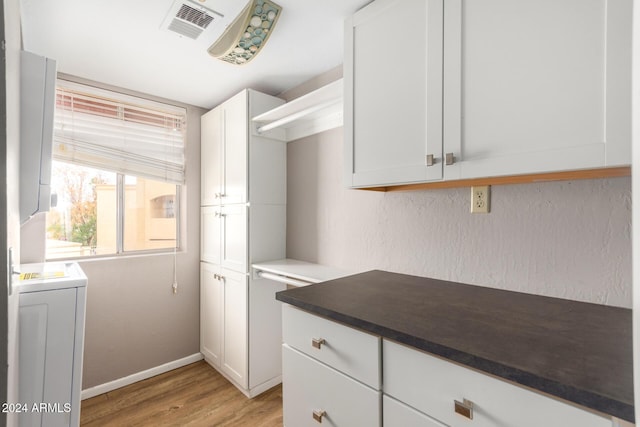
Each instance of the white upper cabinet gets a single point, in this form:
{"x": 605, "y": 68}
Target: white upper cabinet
{"x": 487, "y": 88}
{"x": 393, "y": 92}
{"x": 235, "y": 131}
{"x": 536, "y": 86}
{"x": 211, "y": 154}
{"x": 224, "y": 153}
{"x": 230, "y": 147}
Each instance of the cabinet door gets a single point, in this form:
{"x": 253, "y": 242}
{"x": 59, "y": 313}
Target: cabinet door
{"x": 397, "y": 414}
{"x": 393, "y": 93}
{"x": 536, "y": 86}
{"x": 311, "y": 388}
{"x": 211, "y": 157}
{"x": 211, "y": 313}
{"x": 235, "y": 149}
{"x": 431, "y": 385}
{"x": 46, "y": 336}
{"x": 234, "y": 237}
{"x": 235, "y": 349}
{"x": 210, "y": 234}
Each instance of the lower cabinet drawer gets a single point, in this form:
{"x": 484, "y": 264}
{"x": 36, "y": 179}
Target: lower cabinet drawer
{"x": 350, "y": 351}
{"x": 314, "y": 394}
{"x": 431, "y": 385}
{"x": 397, "y": 414}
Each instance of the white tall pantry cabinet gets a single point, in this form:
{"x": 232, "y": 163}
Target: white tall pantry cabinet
{"x": 243, "y": 221}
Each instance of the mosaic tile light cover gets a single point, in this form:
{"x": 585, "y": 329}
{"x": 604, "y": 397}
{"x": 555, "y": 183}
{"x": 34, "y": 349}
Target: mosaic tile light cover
{"x": 248, "y": 33}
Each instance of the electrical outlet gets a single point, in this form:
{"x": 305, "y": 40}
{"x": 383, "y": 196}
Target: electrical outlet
{"x": 480, "y": 197}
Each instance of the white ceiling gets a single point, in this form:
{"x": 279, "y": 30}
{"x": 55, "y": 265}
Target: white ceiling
{"x": 121, "y": 43}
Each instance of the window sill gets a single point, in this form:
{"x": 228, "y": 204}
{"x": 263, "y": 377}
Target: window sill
{"x": 111, "y": 257}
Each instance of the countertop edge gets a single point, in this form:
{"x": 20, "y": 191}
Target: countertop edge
{"x": 525, "y": 379}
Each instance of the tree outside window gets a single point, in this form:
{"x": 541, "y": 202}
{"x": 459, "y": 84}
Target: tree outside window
{"x": 86, "y": 221}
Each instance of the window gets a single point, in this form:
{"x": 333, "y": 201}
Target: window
{"x": 118, "y": 169}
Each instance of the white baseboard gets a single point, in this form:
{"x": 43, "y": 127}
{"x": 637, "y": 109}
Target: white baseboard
{"x": 139, "y": 376}
{"x": 259, "y": 389}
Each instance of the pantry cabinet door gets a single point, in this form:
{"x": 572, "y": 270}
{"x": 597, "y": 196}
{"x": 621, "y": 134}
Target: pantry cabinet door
{"x": 210, "y": 237}
{"x": 393, "y": 93}
{"x": 235, "y": 149}
{"x": 211, "y": 157}
{"x": 234, "y": 248}
{"x": 235, "y": 360}
{"x": 536, "y": 86}
{"x": 211, "y": 313}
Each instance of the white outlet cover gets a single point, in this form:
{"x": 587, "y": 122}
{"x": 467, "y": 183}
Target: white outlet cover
{"x": 480, "y": 199}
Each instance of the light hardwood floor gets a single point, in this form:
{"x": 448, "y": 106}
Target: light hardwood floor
{"x": 194, "y": 395}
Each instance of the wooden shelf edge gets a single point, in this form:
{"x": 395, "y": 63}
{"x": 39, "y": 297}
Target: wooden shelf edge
{"x": 512, "y": 179}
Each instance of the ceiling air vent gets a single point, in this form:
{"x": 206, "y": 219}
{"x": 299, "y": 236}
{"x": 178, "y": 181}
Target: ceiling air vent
{"x": 189, "y": 19}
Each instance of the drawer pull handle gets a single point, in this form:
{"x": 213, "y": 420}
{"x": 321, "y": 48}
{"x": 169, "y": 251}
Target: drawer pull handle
{"x": 449, "y": 159}
{"x": 317, "y": 342}
{"x": 464, "y": 408}
{"x": 317, "y": 415}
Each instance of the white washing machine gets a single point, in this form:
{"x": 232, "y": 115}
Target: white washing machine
{"x": 51, "y": 343}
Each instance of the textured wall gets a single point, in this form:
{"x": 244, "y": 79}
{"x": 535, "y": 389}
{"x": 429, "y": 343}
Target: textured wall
{"x": 134, "y": 321}
{"x": 568, "y": 239}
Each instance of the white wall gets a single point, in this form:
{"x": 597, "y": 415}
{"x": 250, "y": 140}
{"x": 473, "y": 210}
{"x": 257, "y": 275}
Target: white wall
{"x": 636, "y": 211}
{"x": 134, "y": 321}
{"x": 9, "y": 173}
{"x": 567, "y": 239}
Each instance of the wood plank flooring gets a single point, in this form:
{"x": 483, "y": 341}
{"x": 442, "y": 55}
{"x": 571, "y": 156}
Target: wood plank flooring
{"x": 194, "y": 395}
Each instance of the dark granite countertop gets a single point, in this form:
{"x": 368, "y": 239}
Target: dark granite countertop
{"x": 577, "y": 351}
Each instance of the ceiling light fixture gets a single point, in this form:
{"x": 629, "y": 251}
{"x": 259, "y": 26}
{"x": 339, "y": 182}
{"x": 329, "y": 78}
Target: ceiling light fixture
{"x": 248, "y": 33}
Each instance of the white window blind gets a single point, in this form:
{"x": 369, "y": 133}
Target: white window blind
{"x": 120, "y": 133}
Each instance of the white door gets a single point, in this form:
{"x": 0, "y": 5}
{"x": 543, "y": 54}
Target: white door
{"x": 234, "y": 237}
{"x": 210, "y": 234}
{"x": 211, "y": 313}
{"x": 47, "y": 323}
{"x": 235, "y": 149}
{"x": 235, "y": 348}
{"x": 393, "y": 93}
{"x": 211, "y": 157}
{"x": 536, "y": 86}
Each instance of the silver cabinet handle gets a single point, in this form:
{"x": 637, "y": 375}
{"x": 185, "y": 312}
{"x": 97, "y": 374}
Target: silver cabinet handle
{"x": 317, "y": 415}
{"x": 430, "y": 160}
{"x": 218, "y": 277}
{"x": 219, "y": 195}
{"x": 449, "y": 159}
{"x": 317, "y": 342}
{"x": 220, "y": 215}
{"x": 464, "y": 408}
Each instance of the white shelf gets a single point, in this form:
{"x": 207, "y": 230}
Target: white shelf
{"x": 309, "y": 114}
{"x": 300, "y": 271}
